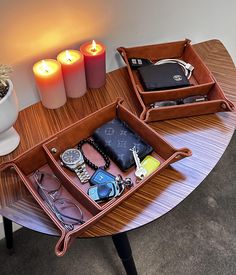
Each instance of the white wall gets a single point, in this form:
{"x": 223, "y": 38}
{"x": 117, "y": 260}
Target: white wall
{"x": 31, "y": 30}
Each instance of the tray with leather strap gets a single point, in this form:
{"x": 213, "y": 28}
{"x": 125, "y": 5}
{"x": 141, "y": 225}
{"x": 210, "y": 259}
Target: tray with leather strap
{"x": 202, "y": 82}
{"x": 45, "y": 157}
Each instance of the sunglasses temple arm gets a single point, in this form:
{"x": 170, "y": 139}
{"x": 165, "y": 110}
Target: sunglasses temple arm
{"x": 74, "y": 219}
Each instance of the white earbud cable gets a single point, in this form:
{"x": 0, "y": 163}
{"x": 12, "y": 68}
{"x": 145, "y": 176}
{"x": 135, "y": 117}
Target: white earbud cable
{"x": 188, "y": 68}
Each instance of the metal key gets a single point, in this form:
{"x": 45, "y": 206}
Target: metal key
{"x": 140, "y": 171}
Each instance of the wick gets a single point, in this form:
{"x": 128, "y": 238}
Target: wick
{"x": 93, "y": 50}
{"x": 68, "y": 59}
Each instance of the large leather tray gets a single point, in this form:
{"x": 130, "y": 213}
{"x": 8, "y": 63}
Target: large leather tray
{"x": 202, "y": 83}
{"x": 42, "y": 157}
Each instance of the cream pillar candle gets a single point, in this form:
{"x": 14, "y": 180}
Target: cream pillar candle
{"x": 49, "y": 81}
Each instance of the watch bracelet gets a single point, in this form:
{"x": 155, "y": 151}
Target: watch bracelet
{"x": 82, "y": 173}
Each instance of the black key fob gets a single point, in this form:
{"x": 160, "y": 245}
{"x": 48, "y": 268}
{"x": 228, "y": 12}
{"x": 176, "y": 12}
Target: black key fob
{"x": 135, "y": 63}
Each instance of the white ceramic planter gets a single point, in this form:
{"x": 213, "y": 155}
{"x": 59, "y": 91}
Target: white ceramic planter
{"x": 9, "y": 109}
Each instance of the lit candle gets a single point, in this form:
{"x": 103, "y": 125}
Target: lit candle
{"x": 49, "y": 81}
{"x": 95, "y": 63}
{"x": 72, "y": 63}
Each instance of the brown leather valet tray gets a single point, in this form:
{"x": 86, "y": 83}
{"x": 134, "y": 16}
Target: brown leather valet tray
{"x": 46, "y": 157}
{"x": 202, "y": 82}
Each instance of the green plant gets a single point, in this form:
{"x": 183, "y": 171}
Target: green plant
{"x": 5, "y": 71}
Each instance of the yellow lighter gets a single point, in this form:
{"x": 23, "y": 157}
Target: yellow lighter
{"x": 150, "y": 164}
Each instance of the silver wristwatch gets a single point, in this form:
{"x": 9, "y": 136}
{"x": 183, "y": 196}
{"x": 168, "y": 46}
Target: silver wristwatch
{"x": 73, "y": 159}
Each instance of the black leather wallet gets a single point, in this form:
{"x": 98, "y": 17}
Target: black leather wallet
{"x": 162, "y": 77}
{"x": 116, "y": 139}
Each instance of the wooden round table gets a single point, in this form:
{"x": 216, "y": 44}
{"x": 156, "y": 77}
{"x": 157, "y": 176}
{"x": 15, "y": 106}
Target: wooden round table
{"x": 207, "y": 136}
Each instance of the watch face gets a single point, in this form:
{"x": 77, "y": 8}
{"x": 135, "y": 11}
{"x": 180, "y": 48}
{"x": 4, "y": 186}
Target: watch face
{"x": 71, "y": 156}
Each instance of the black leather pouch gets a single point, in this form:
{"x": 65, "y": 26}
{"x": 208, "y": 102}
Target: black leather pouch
{"x": 162, "y": 77}
{"x": 116, "y": 139}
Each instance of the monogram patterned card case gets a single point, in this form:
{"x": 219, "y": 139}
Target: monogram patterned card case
{"x": 116, "y": 139}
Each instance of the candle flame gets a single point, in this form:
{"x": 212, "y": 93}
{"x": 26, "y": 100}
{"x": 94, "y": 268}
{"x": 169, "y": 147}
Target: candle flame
{"x": 45, "y": 66}
{"x": 94, "y": 46}
{"x": 68, "y": 56}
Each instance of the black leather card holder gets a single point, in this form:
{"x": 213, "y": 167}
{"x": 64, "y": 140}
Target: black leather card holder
{"x": 116, "y": 139}
{"x": 163, "y": 77}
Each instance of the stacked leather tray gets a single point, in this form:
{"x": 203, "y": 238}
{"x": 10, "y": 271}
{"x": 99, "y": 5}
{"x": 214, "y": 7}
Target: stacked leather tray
{"x": 46, "y": 157}
{"x": 202, "y": 83}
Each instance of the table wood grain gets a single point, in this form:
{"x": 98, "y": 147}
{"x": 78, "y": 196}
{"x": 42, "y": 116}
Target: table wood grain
{"x": 207, "y": 136}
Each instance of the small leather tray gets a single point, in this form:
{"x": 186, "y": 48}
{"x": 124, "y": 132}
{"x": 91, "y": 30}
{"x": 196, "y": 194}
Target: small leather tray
{"x": 202, "y": 83}
{"x": 46, "y": 158}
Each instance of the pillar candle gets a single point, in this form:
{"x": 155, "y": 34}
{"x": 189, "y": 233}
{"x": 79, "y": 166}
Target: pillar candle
{"x": 49, "y": 81}
{"x": 72, "y": 63}
{"x": 95, "y": 63}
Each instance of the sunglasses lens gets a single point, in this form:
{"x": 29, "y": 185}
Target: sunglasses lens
{"x": 193, "y": 99}
{"x": 164, "y": 103}
{"x": 48, "y": 184}
{"x": 71, "y": 213}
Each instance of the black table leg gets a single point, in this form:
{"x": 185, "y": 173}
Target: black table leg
{"x": 124, "y": 251}
{"x": 7, "y": 224}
